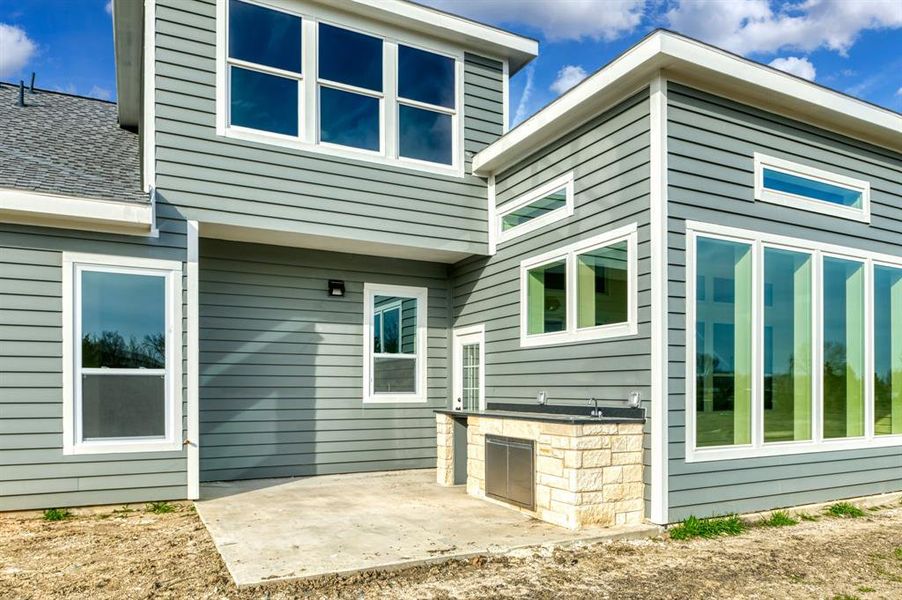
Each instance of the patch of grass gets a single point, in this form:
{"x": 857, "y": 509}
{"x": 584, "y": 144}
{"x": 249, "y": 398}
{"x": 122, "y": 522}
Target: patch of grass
{"x": 693, "y": 527}
{"x": 807, "y": 517}
{"x": 845, "y": 597}
{"x": 898, "y": 553}
{"x": 866, "y": 590}
{"x": 57, "y": 514}
{"x": 779, "y": 518}
{"x": 160, "y": 508}
{"x": 845, "y": 509}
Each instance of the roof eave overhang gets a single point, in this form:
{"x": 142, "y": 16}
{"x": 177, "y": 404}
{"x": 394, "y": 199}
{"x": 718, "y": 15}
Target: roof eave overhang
{"x": 128, "y": 42}
{"x": 27, "y": 207}
{"x": 699, "y": 65}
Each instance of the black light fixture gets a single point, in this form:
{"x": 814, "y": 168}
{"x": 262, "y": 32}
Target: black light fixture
{"x": 336, "y": 288}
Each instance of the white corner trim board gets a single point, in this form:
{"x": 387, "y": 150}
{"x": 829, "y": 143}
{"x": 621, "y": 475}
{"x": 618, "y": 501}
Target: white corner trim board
{"x": 35, "y": 208}
{"x": 192, "y": 443}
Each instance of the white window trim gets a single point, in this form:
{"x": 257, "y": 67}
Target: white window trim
{"x": 758, "y": 241}
{"x": 460, "y": 337}
{"x": 573, "y": 334}
{"x": 308, "y": 97}
{"x": 563, "y": 181}
{"x": 73, "y": 264}
{"x": 763, "y": 194}
{"x": 420, "y": 294}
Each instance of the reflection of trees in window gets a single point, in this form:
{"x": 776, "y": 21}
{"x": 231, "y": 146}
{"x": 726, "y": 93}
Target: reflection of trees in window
{"x": 111, "y": 350}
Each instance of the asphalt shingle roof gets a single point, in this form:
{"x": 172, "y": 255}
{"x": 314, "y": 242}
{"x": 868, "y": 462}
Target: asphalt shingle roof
{"x": 67, "y": 145}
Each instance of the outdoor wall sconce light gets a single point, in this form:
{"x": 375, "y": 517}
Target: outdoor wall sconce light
{"x": 336, "y": 288}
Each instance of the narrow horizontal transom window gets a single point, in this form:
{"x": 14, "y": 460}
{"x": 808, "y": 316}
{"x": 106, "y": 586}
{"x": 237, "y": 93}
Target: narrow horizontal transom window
{"x": 797, "y": 346}
{"x": 808, "y": 188}
{"x": 264, "y": 69}
{"x": 542, "y": 206}
{"x": 123, "y": 355}
{"x": 394, "y": 348}
{"x": 580, "y": 292}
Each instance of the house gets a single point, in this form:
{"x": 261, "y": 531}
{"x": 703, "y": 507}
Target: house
{"x": 280, "y": 259}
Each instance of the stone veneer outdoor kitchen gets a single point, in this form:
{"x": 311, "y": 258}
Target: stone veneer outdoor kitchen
{"x": 587, "y": 472}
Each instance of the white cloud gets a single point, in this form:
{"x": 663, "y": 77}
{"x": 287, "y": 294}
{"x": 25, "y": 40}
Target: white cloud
{"x": 899, "y": 92}
{"x": 750, "y": 26}
{"x": 567, "y": 77}
{"x": 796, "y": 65}
{"x": 523, "y": 104}
{"x": 16, "y": 48}
{"x": 99, "y": 92}
{"x": 556, "y": 19}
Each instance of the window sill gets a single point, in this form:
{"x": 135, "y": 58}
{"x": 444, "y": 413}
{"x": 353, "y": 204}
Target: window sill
{"x": 122, "y": 447}
{"x": 789, "y": 448}
{"x": 334, "y": 150}
{"x": 395, "y": 399}
{"x": 815, "y": 206}
{"x": 604, "y": 332}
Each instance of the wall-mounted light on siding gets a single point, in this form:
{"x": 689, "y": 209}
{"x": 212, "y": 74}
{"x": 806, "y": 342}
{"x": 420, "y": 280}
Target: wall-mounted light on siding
{"x": 336, "y": 288}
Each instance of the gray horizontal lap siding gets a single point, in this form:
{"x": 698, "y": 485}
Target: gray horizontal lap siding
{"x": 232, "y": 182}
{"x": 610, "y": 160}
{"x": 711, "y": 142}
{"x": 282, "y": 363}
{"x": 34, "y": 473}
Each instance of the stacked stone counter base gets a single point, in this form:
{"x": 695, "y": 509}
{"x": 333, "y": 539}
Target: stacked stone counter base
{"x": 587, "y": 474}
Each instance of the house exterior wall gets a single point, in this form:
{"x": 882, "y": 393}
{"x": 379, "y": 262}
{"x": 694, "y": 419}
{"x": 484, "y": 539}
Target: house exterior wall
{"x": 226, "y": 181}
{"x": 281, "y": 364}
{"x": 34, "y": 473}
{"x": 610, "y": 160}
{"x": 711, "y": 141}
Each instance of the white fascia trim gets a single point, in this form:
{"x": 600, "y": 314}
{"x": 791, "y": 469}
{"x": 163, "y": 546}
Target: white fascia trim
{"x": 564, "y": 181}
{"x": 50, "y": 210}
{"x": 421, "y": 295}
{"x": 659, "y": 301}
{"x": 574, "y": 334}
{"x": 476, "y": 36}
{"x": 148, "y": 133}
{"x": 192, "y": 443}
{"x": 664, "y": 49}
{"x": 173, "y": 273}
{"x": 764, "y": 194}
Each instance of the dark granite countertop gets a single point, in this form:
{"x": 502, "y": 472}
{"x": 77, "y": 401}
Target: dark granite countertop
{"x": 571, "y": 415}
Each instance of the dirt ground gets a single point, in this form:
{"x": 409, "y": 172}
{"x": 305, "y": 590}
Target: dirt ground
{"x": 142, "y": 555}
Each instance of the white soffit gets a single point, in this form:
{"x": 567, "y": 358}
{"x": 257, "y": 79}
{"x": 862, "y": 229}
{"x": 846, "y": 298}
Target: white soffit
{"x": 709, "y": 68}
{"x": 47, "y": 210}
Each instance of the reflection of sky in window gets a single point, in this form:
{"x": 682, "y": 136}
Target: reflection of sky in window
{"x": 132, "y": 305}
{"x": 349, "y": 119}
{"x": 350, "y": 57}
{"x": 425, "y": 135}
{"x": 802, "y": 186}
{"x": 264, "y": 102}
{"x": 425, "y": 77}
{"x": 264, "y": 36}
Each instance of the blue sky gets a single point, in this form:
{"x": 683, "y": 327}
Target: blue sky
{"x": 854, "y": 46}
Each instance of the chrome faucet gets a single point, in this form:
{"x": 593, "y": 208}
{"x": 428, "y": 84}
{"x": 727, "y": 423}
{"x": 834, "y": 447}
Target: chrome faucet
{"x": 596, "y": 412}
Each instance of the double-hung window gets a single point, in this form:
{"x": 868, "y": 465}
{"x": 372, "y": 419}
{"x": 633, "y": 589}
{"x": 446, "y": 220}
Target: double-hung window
{"x": 306, "y": 76}
{"x": 121, "y": 354}
{"x": 537, "y": 208}
{"x": 796, "y": 346}
{"x": 584, "y": 291}
{"x": 394, "y": 341}
{"x": 264, "y": 69}
{"x": 800, "y": 186}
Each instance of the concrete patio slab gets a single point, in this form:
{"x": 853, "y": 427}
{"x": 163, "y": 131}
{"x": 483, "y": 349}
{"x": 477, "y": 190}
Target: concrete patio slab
{"x": 277, "y": 529}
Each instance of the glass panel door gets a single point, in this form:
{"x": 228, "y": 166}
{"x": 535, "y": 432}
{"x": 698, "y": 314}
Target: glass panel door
{"x": 469, "y": 376}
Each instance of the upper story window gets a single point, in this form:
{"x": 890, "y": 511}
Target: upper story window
{"x": 537, "y": 208}
{"x": 325, "y": 82}
{"x": 800, "y": 186}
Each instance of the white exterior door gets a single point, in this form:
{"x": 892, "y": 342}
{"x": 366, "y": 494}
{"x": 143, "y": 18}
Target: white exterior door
{"x": 469, "y": 368}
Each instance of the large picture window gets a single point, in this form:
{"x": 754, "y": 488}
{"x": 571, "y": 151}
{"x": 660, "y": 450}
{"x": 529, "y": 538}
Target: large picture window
{"x": 121, "y": 354}
{"x": 796, "y": 344}
{"x": 580, "y": 292}
{"x": 394, "y": 344}
{"x": 295, "y": 75}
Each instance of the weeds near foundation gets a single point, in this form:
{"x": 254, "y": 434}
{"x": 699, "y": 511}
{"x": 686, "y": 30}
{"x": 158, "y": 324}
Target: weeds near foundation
{"x": 898, "y": 553}
{"x": 807, "y": 517}
{"x": 866, "y": 590}
{"x": 57, "y": 514}
{"x": 845, "y": 597}
{"x": 160, "y": 508}
{"x": 779, "y": 518}
{"x": 693, "y": 527}
{"x": 845, "y": 509}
